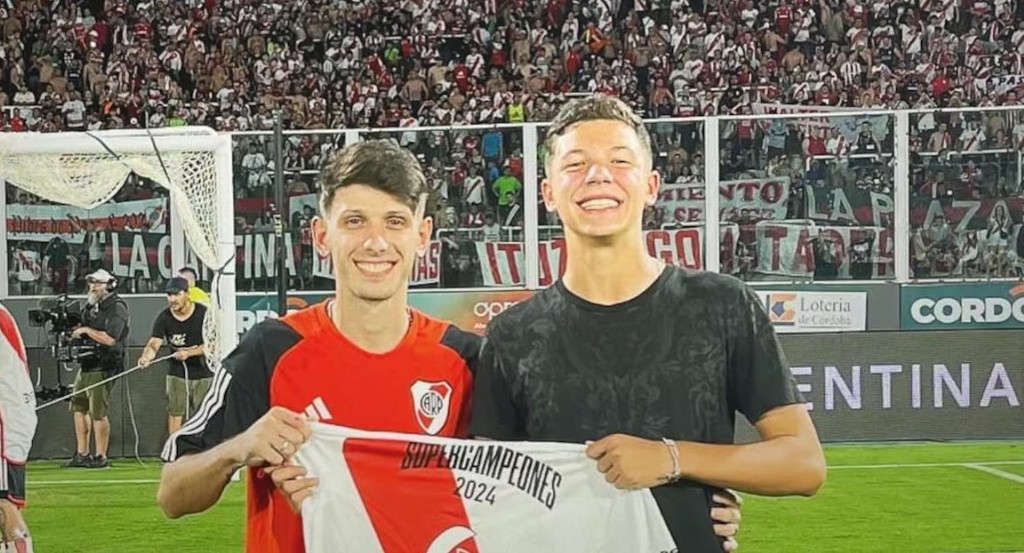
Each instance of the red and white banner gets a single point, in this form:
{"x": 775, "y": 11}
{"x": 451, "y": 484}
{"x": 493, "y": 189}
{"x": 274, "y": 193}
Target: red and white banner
{"x": 41, "y": 223}
{"x": 849, "y": 127}
{"x": 787, "y": 248}
{"x": 425, "y": 270}
{"x": 503, "y": 263}
{"x": 738, "y": 200}
{"x": 382, "y": 492}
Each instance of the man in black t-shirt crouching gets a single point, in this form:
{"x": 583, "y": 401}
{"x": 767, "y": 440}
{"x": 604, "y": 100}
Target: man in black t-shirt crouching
{"x": 188, "y": 376}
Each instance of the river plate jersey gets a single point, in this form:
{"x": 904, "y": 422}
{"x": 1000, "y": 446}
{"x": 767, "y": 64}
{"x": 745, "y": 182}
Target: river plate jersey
{"x": 677, "y": 361}
{"x": 301, "y": 362}
{"x": 395, "y": 493}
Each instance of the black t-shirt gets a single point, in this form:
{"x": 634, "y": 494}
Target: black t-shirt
{"x": 182, "y": 335}
{"x": 110, "y": 315}
{"x": 677, "y": 361}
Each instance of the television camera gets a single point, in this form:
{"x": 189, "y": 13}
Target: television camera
{"x": 60, "y": 316}
{"x": 63, "y": 315}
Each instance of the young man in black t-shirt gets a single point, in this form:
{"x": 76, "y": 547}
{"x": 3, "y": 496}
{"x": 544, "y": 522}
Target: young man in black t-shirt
{"x": 188, "y": 376}
{"x": 647, "y": 362}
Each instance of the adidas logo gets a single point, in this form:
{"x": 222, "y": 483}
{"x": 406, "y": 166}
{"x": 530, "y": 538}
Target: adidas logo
{"x": 317, "y": 410}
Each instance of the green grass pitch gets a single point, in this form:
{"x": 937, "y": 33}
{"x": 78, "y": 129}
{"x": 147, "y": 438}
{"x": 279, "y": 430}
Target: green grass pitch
{"x": 927, "y": 498}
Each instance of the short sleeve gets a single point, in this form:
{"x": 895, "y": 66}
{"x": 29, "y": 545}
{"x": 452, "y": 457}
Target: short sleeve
{"x": 496, "y": 413}
{"x": 116, "y": 324}
{"x": 160, "y": 326}
{"x": 759, "y": 376}
{"x": 240, "y": 393}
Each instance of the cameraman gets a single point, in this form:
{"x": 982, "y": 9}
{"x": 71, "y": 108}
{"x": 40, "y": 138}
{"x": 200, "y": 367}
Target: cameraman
{"x": 106, "y": 325}
{"x": 188, "y": 376}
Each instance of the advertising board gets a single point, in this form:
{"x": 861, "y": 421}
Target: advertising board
{"x": 810, "y": 311}
{"x": 982, "y": 305}
{"x": 911, "y": 385}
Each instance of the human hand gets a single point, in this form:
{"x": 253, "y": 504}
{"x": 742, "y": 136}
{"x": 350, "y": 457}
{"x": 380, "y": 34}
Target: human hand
{"x": 293, "y": 483}
{"x": 79, "y": 332}
{"x": 726, "y": 517}
{"x": 271, "y": 440}
{"x": 181, "y": 355}
{"x": 631, "y": 463}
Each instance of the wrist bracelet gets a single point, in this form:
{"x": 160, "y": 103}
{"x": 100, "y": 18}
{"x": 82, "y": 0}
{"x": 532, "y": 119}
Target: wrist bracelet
{"x": 673, "y": 451}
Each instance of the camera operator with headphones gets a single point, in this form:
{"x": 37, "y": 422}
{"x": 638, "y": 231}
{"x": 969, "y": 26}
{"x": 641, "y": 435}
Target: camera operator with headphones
{"x": 105, "y": 322}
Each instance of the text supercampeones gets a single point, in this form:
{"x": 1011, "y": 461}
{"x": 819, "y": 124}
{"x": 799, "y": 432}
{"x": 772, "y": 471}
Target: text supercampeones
{"x": 494, "y": 461}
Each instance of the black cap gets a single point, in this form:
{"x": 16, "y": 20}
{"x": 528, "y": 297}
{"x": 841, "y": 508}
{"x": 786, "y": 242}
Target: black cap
{"x": 177, "y": 285}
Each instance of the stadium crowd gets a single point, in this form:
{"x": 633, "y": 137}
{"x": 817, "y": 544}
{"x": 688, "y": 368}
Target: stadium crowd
{"x": 367, "y": 64}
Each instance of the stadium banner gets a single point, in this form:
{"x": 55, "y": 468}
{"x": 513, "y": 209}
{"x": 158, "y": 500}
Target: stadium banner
{"x": 42, "y": 223}
{"x": 803, "y": 308}
{"x": 257, "y": 253}
{"x": 503, "y": 264}
{"x": 981, "y": 305}
{"x": 909, "y": 385}
{"x": 856, "y": 206}
{"x": 806, "y": 250}
{"x": 738, "y": 200}
{"x": 825, "y": 117}
{"x": 808, "y": 312}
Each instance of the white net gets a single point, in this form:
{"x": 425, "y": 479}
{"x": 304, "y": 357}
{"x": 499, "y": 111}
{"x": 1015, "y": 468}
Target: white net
{"x": 87, "y": 179}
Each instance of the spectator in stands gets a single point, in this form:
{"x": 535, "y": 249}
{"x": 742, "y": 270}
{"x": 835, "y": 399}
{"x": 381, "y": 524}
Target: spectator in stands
{"x": 229, "y": 65}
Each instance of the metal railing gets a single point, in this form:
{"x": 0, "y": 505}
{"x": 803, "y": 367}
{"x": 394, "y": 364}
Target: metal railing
{"x": 895, "y": 208}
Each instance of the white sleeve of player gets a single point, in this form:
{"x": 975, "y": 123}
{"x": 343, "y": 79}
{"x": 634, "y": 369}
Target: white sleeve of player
{"x": 17, "y": 394}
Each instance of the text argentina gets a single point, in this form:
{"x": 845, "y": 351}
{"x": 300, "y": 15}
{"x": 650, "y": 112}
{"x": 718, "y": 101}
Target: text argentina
{"x": 493, "y": 461}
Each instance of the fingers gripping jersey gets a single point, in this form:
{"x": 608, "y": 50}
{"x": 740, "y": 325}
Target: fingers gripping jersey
{"x": 398, "y": 493}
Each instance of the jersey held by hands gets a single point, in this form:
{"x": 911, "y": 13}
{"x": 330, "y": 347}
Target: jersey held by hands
{"x": 398, "y": 493}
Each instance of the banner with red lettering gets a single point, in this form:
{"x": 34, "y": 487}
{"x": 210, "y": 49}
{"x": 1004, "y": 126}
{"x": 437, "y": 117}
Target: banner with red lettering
{"x": 41, "y": 223}
{"x": 738, "y": 200}
{"x": 132, "y": 254}
{"x": 851, "y": 205}
{"x": 803, "y": 249}
{"x": 503, "y": 263}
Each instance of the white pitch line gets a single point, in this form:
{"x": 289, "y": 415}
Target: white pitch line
{"x": 984, "y": 466}
{"x": 74, "y": 482}
{"x": 923, "y": 465}
{"x": 996, "y": 472}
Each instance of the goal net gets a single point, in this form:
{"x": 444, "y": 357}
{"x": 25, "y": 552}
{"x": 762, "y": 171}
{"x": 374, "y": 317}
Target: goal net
{"x": 86, "y": 169}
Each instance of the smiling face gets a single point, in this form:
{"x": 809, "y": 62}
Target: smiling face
{"x": 372, "y": 220}
{"x": 600, "y": 179}
{"x": 373, "y": 239}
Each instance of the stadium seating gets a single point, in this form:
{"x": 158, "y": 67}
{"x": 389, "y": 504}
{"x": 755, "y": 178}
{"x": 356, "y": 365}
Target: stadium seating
{"x": 400, "y": 65}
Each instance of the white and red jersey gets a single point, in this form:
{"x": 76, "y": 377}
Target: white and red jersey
{"x": 17, "y": 397}
{"x": 382, "y": 492}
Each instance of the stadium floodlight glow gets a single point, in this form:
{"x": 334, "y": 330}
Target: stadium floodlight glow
{"x": 86, "y": 169}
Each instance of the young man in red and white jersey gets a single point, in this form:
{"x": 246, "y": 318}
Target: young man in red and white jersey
{"x": 355, "y": 360}
{"x": 363, "y": 359}
{"x": 17, "y": 427}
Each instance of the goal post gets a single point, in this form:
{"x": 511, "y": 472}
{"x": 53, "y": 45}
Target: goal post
{"x": 86, "y": 169}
